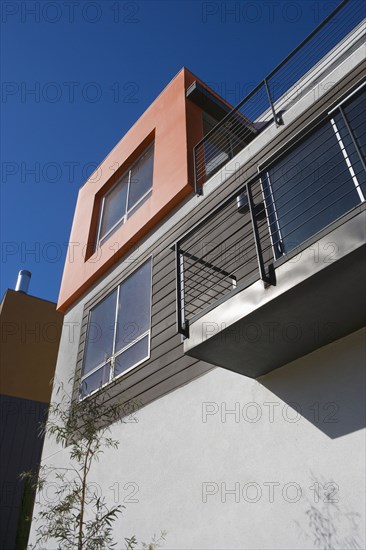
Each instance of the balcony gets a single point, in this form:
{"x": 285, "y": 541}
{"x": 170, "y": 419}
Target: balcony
{"x": 278, "y": 270}
{"x": 268, "y": 102}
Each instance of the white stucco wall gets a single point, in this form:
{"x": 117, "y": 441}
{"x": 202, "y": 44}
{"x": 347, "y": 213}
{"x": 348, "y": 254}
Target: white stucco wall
{"x": 299, "y": 428}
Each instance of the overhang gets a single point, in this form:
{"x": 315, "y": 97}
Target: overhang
{"x": 319, "y": 297}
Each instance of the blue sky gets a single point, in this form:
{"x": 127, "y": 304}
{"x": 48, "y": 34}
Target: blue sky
{"x": 77, "y": 74}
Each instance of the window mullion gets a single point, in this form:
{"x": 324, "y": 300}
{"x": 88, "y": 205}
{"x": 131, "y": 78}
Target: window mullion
{"x": 139, "y": 200}
{"x": 122, "y": 218}
{"x": 100, "y": 220}
{"x": 95, "y": 369}
{"x": 111, "y": 376}
{"x": 128, "y": 192}
{"x": 130, "y": 344}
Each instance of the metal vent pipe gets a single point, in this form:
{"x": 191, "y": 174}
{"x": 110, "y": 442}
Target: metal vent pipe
{"x": 23, "y": 281}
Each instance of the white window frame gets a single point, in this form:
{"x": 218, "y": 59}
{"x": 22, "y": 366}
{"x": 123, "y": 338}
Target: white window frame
{"x": 114, "y": 355}
{"x": 128, "y": 212}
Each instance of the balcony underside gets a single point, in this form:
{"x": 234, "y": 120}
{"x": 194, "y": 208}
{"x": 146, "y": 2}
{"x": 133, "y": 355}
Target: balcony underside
{"x": 314, "y": 302}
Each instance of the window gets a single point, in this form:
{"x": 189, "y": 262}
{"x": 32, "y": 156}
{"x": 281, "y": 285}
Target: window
{"x": 118, "y": 334}
{"x": 319, "y": 180}
{"x": 126, "y": 196}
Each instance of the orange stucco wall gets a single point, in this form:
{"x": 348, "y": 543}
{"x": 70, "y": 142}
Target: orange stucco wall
{"x": 176, "y": 125}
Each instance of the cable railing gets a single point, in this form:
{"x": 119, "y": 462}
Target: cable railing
{"x": 226, "y": 251}
{"x": 283, "y": 86}
{"x": 316, "y": 181}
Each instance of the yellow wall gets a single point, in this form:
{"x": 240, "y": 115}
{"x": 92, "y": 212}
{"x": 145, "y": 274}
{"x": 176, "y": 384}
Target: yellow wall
{"x": 29, "y": 336}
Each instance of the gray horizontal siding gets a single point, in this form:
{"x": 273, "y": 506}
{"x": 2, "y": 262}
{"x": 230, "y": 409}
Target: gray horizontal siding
{"x": 167, "y": 367}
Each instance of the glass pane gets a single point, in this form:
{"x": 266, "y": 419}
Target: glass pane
{"x": 99, "y": 343}
{"x": 141, "y": 177}
{"x": 311, "y": 186}
{"x": 114, "y": 206}
{"x": 95, "y": 380}
{"x": 134, "y": 306}
{"x": 133, "y": 355}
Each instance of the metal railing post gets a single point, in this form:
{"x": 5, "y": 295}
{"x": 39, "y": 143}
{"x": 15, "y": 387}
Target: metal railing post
{"x": 268, "y": 279}
{"x": 182, "y": 324}
{"x": 277, "y": 118}
{"x": 197, "y": 190}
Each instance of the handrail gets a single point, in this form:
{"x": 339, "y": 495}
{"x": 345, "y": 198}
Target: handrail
{"x": 218, "y": 135}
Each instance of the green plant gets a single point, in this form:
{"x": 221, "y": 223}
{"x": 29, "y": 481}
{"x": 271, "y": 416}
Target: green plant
{"x": 78, "y": 517}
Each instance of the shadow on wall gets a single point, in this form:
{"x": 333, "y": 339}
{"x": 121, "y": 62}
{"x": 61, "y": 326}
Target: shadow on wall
{"x": 327, "y": 387}
{"x": 329, "y": 525}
